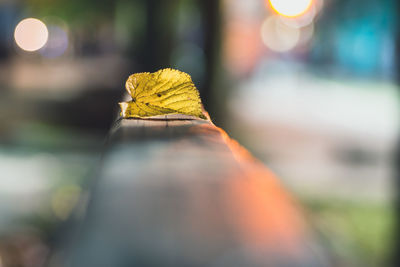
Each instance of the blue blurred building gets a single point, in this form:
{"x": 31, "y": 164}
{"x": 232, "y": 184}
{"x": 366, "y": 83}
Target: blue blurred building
{"x": 358, "y": 37}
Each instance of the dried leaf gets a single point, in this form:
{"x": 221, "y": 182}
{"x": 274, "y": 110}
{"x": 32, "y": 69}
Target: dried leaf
{"x": 166, "y": 91}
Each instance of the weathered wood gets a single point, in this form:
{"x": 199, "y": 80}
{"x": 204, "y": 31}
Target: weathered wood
{"x": 179, "y": 192}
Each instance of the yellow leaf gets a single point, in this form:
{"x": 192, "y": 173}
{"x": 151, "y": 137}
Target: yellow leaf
{"x": 166, "y": 91}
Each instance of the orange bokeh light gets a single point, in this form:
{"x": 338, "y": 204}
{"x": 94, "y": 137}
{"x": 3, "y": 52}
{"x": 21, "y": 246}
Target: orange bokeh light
{"x": 290, "y": 8}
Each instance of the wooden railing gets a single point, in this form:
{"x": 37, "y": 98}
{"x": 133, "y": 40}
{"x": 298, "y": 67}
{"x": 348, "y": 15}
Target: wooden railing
{"x": 180, "y": 192}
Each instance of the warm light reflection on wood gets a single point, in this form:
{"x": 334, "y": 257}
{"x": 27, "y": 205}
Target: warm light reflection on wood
{"x": 264, "y": 214}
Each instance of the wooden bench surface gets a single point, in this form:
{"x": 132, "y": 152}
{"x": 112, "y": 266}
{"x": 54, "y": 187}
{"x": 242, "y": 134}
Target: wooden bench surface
{"x": 180, "y": 192}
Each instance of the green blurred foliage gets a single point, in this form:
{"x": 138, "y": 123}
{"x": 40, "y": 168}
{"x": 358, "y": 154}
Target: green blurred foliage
{"x": 359, "y": 234}
{"x": 82, "y": 12}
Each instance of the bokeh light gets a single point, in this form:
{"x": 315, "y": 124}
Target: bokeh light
{"x": 300, "y": 21}
{"x": 57, "y": 42}
{"x": 277, "y": 36}
{"x": 31, "y": 34}
{"x": 290, "y": 8}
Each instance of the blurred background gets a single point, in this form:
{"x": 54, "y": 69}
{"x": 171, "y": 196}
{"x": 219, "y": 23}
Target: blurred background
{"x": 308, "y": 86}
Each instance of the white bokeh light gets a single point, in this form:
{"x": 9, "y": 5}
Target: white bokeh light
{"x": 31, "y": 34}
{"x": 277, "y": 36}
